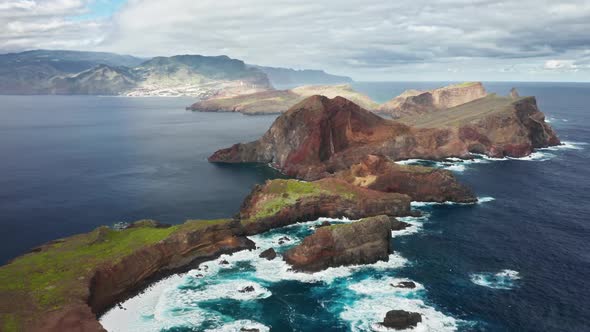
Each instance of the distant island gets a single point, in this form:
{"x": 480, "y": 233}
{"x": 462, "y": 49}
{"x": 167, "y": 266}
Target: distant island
{"x": 342, "y": 160}
{"x": 99, "y": 73}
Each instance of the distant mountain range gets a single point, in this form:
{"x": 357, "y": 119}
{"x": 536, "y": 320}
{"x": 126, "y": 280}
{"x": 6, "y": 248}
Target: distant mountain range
{"x": 288, "y": 76}
{"x": 99, "y": 73}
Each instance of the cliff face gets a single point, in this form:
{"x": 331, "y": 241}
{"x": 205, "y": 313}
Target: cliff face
{"x": 320, "y": 136}
{"x": 420, "y": 183}
{"x": 362, "y": 242}
{"x": 65, "y": 284}
{"x": 415, "y": 102}
{"x": 279, "y": 203}
{"x": 61, "y": 286}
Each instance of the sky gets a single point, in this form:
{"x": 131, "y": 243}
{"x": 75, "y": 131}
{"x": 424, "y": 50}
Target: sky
{"x": 383, "y": 40}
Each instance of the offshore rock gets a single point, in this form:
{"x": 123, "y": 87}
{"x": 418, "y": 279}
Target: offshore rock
{"x": 401, "y": 319}
{"x": 362, "y": 242}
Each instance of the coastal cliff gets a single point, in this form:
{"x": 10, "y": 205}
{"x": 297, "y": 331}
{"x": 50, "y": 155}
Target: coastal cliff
{"x": 63, "y": 285}
{"x": 425, "y": 184}
{"x": 363, "y": 242}
{"x": 416, "y": 102}
{"x": 320, "y": 136}
{"x": 279, "y": 203}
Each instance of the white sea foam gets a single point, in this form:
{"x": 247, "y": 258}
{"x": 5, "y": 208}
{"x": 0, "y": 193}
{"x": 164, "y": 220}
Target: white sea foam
{"x": 408, "y": 161}
{"x": 174, "y": 302}
{"x": 416, "y": 224}
{"x": 504, "y": 279}
{"x": 567, "y": 145}
{"x": 277, "y": 269}
{"x": 480, "y": 200}
{"x": 377, "y": 297}
{"x": 238, "y": 325}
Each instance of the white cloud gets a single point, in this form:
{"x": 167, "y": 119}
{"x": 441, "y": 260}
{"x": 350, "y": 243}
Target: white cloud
{"x": 368, "y": 39}
{"x": 559, "y": 65}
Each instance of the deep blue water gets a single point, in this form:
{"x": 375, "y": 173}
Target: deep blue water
{"x": 520, "y": 262}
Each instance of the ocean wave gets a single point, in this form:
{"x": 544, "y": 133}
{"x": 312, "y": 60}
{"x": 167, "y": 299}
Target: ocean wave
{"x": 504, "y": 279}
{"x": 377, "y": 297}
{"x": 459, "y": 165}
{"x": 175, "y": 302}
{"x": 240, "y": 325}
{"x": 480, "y": 200}
{"x": 416, "y": 224}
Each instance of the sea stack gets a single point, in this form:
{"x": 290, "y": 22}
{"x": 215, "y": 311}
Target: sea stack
{"x": 362, "y": 242}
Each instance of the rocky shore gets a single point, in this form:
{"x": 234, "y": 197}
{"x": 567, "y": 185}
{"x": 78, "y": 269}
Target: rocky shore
{"x": 65, "y": 284}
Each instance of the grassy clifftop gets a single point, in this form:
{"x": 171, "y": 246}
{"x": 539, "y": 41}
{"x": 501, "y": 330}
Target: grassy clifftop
{"x": 59, "y": 273}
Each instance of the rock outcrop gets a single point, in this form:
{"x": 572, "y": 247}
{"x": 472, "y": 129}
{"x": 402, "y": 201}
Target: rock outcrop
{"x": 424, "y": 184}
{"x": 280, "y": 202}
{"x": 63, "y": 285}
{"x": 416, "y": 102}
{"x": 320, "y": 136}
{"x": 401, "y": 319}
{"x": 269, "y": 254}
{"x": 279, "y": 101}
{"x": 362, "y": 242}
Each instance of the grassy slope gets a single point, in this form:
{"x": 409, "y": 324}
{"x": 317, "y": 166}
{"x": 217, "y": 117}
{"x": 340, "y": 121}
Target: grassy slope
{"x": 461, "y": 114}
{"x": 48, "y": 279}
{"x": 281, "y": 193}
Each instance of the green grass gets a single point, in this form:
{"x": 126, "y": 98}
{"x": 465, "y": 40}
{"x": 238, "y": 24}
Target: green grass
{"x": 53, "y": 277}
{"x": 10, "y": 323}
{"x": 45, "y": 275}
{"x": 194, "y": 225}
{"x": 464, "y": 84}
{"x": 283, "y": 193}
{"x": 49, "y": 277}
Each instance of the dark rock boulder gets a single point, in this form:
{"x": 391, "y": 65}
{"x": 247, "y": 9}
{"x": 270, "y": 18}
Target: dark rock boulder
{"x": 269, "y": 254}
{"x": 405, "y": 284}
{"x": 247, "y": 289}
{"x": 323, "y": 224}
{"x": 362, "y": 242}
{"x": 397, "y": 225}
{"x": 401, "y": 319}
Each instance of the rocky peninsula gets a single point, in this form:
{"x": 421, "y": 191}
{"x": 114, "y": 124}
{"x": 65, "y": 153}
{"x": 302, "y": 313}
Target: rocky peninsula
{"x": 343, "y": 158}
{"x": 320, "y": 136}
{"x": 63, "y": 285}
{"x": 279, "y": 101}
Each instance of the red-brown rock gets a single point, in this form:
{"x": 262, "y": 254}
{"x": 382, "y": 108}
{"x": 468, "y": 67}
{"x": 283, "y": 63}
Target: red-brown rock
{"x": 424, "y": 184}
{"x": 362, "y": 242}
{"x": 320, "y": 136}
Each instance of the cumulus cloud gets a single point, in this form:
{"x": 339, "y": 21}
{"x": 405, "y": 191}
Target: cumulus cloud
{"x": 368, "y": 39}
{"x": 560, "y": 65}
{"x": 28, "y": 24}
